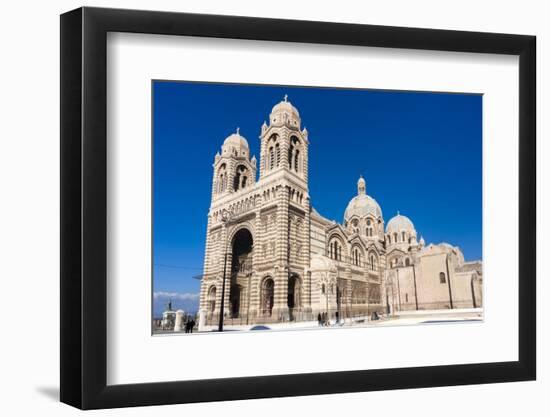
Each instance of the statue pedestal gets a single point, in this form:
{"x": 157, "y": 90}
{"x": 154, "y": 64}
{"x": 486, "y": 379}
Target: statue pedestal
{"x": 202, "y": 320}
{"x": 179, "y": 321}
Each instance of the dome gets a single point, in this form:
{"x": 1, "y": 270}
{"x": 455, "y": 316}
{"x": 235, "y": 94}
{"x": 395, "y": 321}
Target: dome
{"x": 285, "y": 106}
{"x": 237, "y": 143}
{"x": 400, "y": 223}
{"x": 285, "y": 113}
{"x": 236, "y": 140}
{"x": 362, "y": 204}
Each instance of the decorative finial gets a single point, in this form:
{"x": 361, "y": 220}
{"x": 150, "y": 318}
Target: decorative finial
{"x": 286, "y": 98}
{"x": 238, "y": 129}
{"x": 398, "y": 213}
{"x": 361, "y": 186}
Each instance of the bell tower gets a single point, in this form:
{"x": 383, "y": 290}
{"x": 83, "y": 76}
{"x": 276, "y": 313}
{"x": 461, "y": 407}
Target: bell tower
{"x": 234, "y": 170}
{"x": 284, "y": 144}
{"x": 284, "y": 176}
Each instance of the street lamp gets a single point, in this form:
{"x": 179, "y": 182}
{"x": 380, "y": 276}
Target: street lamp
{"x": 226, "y": 217}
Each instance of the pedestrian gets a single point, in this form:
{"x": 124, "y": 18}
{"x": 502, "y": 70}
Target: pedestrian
{"x": 191, "y": 325}
{"x": 319, "y": 319}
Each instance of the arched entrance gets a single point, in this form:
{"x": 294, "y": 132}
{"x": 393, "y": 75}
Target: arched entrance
{"x": 235, "y": 300}
{"x": 294, "y": 295}
{"x": 211, "y": 299}
{"x": 241, "y": 267}
{"x": 267, "y": 296}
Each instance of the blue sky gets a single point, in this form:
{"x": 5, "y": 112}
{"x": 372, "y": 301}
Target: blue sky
{"x": 420, "y": 153}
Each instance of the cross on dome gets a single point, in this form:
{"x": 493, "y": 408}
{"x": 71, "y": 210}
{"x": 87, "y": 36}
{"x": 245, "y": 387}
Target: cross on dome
{"x": 238, "y": 129}
{"x": 286, "y": 98}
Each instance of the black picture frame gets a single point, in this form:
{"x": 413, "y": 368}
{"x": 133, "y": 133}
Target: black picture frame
{"x": 84, "y": 207}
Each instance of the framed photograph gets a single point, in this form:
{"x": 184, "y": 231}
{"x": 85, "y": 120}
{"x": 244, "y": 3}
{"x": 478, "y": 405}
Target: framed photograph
{"x": 258, "y": 208}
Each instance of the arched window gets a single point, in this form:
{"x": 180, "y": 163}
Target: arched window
{"x": 294, "y": 154}
{"x": 222, "y": 179}
{"x": 389, "y": 239}
{"x": 395, "y": 237}
{"x": 271, "y": 158}
{"x": 403, "y": 236}
{"x": 323, "y": 289}
{"x": 336, "y": 249}
{"x": 277, "y": 154}
{"x": 356, "y": 256}
{"x": 241, "y": 175}
{"x": 442, "y": 279}
{"x": 407, "y": 262}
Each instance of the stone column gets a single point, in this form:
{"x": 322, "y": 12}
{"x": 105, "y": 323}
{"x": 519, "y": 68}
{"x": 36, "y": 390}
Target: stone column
{"x": 306, "y": 297}
{"x": 254, "y": 288}
{"x": 280, "y": 309}
{"x": 348, "y": 297}
{"x": 219, "y": 286}
{"x": 206, "y": 265}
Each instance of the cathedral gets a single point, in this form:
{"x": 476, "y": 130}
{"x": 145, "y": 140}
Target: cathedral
{"x": 283, "y": 261}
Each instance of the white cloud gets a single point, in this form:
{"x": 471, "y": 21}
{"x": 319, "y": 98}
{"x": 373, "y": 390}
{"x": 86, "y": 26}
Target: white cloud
{"x": 185, "y": 296}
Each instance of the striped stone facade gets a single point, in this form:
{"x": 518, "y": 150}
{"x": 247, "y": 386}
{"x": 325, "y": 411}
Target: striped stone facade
{"x": 283, "y": 261}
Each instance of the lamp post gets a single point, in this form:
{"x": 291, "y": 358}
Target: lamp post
{"x": 226, "y": 216}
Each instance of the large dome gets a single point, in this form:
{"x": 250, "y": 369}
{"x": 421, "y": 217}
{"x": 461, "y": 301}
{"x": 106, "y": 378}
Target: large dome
{"x": 362, "y": 205}
{"x": 400, "y": 223}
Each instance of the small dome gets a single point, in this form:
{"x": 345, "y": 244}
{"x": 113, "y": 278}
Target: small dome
{"x": 285, "y": 112}
{"x": 235, "y": 139}
{"x": 285, "y": 106}
{"x": 400, "y": 223}
{"x": 236, "y": 143}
